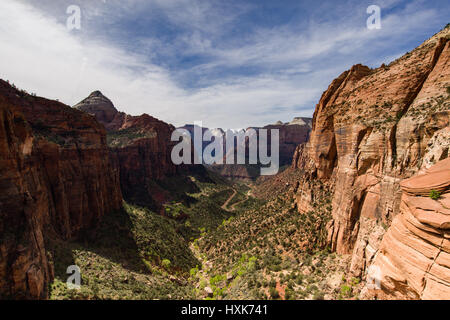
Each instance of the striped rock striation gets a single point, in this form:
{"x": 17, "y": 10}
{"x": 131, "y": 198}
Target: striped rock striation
{"x": 414, "y": 255}
{"x": 56, "y": 180}
{"x": 373, "y": 128}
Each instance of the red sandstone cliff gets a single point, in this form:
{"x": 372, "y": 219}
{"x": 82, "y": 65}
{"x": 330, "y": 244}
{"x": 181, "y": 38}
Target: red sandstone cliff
{"x": 414, "y": 255}
{"x": 371, "y": 129}
{"x": 141, "y": 146}
{"x": 56, "y": 179}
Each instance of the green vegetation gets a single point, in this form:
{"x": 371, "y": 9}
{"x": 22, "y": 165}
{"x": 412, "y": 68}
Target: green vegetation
{"x": 121, "y": 138}
{"x": 346, "y": 291}
{"x": 196, "y": 249}
{"x": 274, "y": 293}
{"x": 435, "y": 195}
{"x": 269, "y": 245}
{"x": 138, "y": 254}
{"x": 127, "y": 257}
{"x": 166, "y": 264}
{"x": 44, "y": 131}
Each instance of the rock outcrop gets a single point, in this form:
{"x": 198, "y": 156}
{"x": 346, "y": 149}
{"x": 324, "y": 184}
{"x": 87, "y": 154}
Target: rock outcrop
{"x": 371, "y": 129}
{"x": 56, "y": 179}
{"x": 102, "y": 109}
{"x": 140, "y": 145}
{"x": 413, "y": 260}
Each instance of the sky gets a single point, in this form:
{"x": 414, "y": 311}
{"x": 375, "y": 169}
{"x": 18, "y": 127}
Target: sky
{"x": 230, "y": 64}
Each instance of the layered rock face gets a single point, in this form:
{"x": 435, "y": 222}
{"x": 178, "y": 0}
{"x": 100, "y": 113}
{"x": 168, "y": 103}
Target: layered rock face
{"x": 371, "y": 129}
{"x": 291, "y": 134}
{"x": 24, "y": 268}
{"x": 102, "y": 109}
{"x": 414, "y": 255}
{"x": 56, "y": 179}
{"x": 140, "y": 145}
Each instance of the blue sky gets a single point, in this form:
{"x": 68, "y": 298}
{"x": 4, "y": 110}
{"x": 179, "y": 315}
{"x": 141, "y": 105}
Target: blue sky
{"x": 229, "y": 64}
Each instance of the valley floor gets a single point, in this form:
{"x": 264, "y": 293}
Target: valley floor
{"x": 218, "y": 242}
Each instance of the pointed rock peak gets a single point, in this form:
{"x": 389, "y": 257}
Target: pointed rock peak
{"x": 99, "y": 106}
{"x": 98, "y": 96}
{"x": 97, "y": 93}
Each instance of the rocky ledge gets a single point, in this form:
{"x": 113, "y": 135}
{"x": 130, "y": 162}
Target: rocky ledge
{"x": 414, "y": 255}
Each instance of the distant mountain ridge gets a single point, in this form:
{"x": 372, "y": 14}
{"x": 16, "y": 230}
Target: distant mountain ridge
{"x": 291, "y": 135}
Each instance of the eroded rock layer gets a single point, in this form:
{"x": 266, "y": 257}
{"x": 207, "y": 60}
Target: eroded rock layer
{"x": 140, "y": 145}
{"x": 414, "y": 255}
{"x": 373, "y": 128}
{"x": 56, "y": 179}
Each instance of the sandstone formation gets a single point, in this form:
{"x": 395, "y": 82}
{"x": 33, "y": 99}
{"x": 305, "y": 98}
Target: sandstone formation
{"x": 56, "y": 179}
{"x": 102, "y": 109}
{"x": 371, "y": 129}
{"x": 140, "y": 145}
{"x": 414, "y": 255}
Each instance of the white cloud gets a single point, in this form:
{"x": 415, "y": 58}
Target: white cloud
{"x": 40, "y": 55}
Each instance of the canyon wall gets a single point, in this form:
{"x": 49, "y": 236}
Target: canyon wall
{"x": 56, "y": 179}
{"x": 372, "y": 128}
{"x": 141, "y": 147}
{"x": 413, "y": 261}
